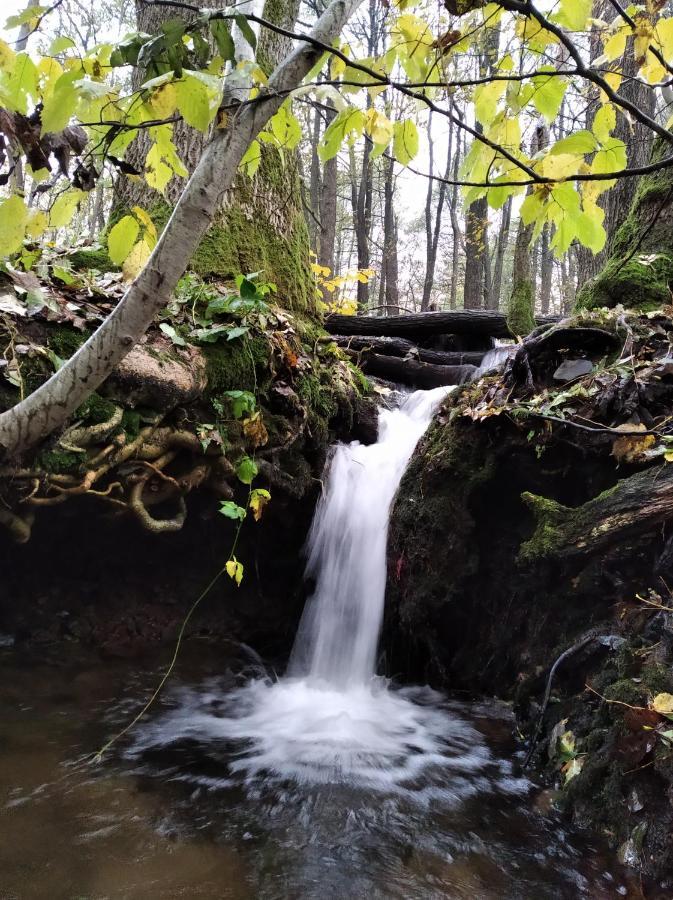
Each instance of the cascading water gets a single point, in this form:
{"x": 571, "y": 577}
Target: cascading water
{"x": 339, "y": 631}
{"x": 331, "y": 719}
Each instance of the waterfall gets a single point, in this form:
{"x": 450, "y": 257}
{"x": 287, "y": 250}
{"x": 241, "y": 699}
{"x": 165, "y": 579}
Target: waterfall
{"x": 339, "y": 631}
{"x": 331, "y": 719}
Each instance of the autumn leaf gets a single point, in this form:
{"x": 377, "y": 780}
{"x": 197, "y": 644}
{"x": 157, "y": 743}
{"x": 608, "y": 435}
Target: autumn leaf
{"x": 663, "y": 704}
{"x": 258, "y": 500}
{"x": 235, "y": 570}
{"x": 255, "y": 430}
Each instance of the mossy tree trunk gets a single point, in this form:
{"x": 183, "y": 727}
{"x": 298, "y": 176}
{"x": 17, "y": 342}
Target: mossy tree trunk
{"x": 260, "y": 226}
{"x": 638, "y": 272}
{"x": 521, "y": 308}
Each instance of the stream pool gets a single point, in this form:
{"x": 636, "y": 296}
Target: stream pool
{"x": 173, "y": 813}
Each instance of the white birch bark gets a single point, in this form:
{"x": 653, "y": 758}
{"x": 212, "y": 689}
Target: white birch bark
{"x": 49, "y": 407}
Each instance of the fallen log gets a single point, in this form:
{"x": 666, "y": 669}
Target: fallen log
{"x": 477, "y": 321}
{"x": 392, "y": 346}
{"x": 414, "y": 373}
{"x": 636, "y": 505}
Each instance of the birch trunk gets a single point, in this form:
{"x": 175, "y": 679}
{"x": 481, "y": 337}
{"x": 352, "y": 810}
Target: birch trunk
{"x": 49, "y": 407}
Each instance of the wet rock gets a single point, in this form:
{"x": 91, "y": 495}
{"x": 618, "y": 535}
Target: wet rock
{"x": 570, "y": 369}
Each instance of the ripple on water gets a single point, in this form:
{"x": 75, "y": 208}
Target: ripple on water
{"x": 397, "y": 741}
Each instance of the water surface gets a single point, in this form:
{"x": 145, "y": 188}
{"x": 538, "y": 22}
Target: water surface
{"x": 174, "y": 813}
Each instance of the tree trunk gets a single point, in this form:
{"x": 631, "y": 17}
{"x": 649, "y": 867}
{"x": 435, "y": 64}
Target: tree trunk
{"x": 411, "y": 372}
{"x": 393, "y": 346}
{"x": 638, "y": 504}
{"x": 546, "y": 268}
{"x": 433, "y": 228}
{"x": 261, "y": 225}
{"x": 520, "y": 312}
{"x": 328, "y": 208}
{"x": 474, "y": 322}
{"x": 50, "y": 406}
{"x": 476, "y": 254}
{"x": 315, "y": 184}
{"x": 503, "y": 240}
{"x": 390, "y": 242}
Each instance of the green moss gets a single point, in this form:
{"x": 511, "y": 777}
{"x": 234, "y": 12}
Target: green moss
{"x": 520, "y": 314}
{"x": 550, "y": 519}
{"x": 131, "y": 423}
{"x": 246, "y": 236}
{"x": 639, "y": 269}
{"x": 65, "y": 341}
{"x": 626, "y": 691}
{"x": 98, "y": 259}
{"x": 95, "y": 410}
{"x": 238, "y": 365}
{"x": 642, "y": 283}
{"x": 58, "y": 462}
{"x": 657, "y": 679}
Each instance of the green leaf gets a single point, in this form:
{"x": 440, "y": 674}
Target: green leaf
{"x": 121, "y": 239}
{"x": 59, "y": 108}
{"x": 548, "y": 96}
{"x": 590, "y": 232}
{"x": 486, "y": 99}
{"x": 248, "y": 289}
{"x": 246, "y": 30}
{"x": 64, "y": 275}
{"x": 21, "y": 84}
{"x": 574, "y": 14}
{"x": 580, "y": 143}
{"x": 237, "y": 332}
{"x": 194, "y": 102}
{"x": 26, "y": 15}
{"x": 350, "y": 121}
{"x": 405, "y": 141}
{"x": 222, "y": 35}
{"x": 242, "y": 402}
{"x": 285, "y": 128}
{"x": 170, "y": 332}
{"x": 13, "y": 219}
{"x": 232, "y": 510}
{"x": 246, "y": 470}
{"x": 59, "y": 44}
{"x": 605, "y": 121}
{"x": 610, "y": 158}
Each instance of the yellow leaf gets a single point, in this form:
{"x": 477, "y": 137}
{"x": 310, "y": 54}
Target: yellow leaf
{"x": 631, "y": 448}
{"x": 135, "y": 261}
{"x": 255, "y": 431}
{"x": 164, "y": 100}
{"x": 258, "y": 500}
{"x": 64, "y": 207}
{"x": 615, "y": 45}
{"x": 13, "y": 218}
{"x": 235, "y": 570}
{"x": 378, "y": 127}
{"x": 38, "y": 222}
{"x": 663, "y": 704}
{"x": 147, "y": 223}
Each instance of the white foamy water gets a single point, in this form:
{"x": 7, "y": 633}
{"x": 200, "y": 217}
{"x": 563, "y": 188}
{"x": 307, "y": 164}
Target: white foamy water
{"x": 339, "y": 630}
{"x": 332, "y": 720}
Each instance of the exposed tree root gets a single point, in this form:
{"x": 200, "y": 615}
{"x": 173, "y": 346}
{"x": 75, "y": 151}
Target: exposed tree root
{"x": 19, "y": 526}
{"x": 156, "y": 526}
